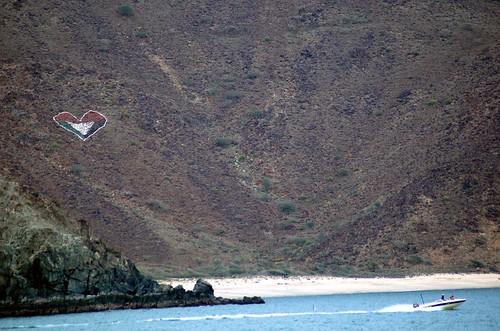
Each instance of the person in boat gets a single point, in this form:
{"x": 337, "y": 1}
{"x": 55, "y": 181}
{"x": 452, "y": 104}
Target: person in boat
{"x": 452, "y": 297}
{"x": 442, "y": 297}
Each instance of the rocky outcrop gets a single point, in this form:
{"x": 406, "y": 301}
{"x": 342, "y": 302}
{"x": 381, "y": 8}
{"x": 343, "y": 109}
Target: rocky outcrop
{"x": 45, "y": 263}
{"x": 164, "y": 296}
{"x": 50, "y": 264}
{"x": 203, "y": 289}
{"x": 43, "y": 255}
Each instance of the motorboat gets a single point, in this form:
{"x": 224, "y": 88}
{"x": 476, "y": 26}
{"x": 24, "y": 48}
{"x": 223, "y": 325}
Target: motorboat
{"x": 441, "y": 304}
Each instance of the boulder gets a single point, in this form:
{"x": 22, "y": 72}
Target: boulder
{"x": 203, "y": 289}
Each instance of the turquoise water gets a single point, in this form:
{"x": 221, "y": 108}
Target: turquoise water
{"x": 374, "y": 311}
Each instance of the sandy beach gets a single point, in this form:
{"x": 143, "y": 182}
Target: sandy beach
{"x": 269, "y": 286}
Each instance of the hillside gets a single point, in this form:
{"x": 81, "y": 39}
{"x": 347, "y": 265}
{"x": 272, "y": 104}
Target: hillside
{"x": 340, "y": 137}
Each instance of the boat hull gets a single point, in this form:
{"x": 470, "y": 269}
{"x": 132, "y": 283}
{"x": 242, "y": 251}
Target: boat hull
{"x": 444, "y": 305}
{"x": 451, "y": 306}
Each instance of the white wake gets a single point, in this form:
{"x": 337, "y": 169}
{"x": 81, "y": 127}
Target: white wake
{"x": 240, "y": 316}
{"x": 399, "y": 308}
{"x": 405, "y": 308}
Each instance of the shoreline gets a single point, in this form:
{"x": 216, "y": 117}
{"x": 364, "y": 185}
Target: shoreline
{"x": 277, "y": 286}
{"x": 201, "y": 295}
{"x": 107, "y": 302}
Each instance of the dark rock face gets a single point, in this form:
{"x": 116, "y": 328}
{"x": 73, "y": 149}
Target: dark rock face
{"x": 45, "y": 268}
{"x": 43, "y": 259}
{"x": 166, "y": 297}
{"x": 203, "y": 289}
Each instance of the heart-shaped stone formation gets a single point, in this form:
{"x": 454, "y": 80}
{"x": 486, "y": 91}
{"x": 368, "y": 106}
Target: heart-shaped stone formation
{"x": 83, "y": 128}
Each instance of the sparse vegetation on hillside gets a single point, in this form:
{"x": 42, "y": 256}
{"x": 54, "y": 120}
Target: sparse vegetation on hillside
{"x": 158, "y": 206}
{"x": 251, "y": 74}
{"x": 76, "y": 169}
{"x": 255, "y": 113}
{"x": 266, "y": 184}
{"x": 223, "y": 142}
{"x": 141, "y": 34}
{"x": 264, "y": 196}
{"x": 286, "y": 206}
{"x": 232, "y": 95}
{"x": 125, "y": 10}
{"x": 342, "y": 173}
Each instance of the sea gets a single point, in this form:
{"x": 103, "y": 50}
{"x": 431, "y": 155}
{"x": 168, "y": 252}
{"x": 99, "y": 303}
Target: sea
{"x": 369, "y": 311}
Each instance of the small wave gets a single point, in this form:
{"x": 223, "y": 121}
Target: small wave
{"x": 43, "y": 326}
{"x": 240, "y": 316}
{"x": 351, "y": 312}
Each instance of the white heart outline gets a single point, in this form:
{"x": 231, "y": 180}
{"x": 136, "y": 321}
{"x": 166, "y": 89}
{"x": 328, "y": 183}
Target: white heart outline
{"x": 84, "y": 139}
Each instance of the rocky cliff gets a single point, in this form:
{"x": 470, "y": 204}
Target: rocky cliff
{"x": 50, "y": 264}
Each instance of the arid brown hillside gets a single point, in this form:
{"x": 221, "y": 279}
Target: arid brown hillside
{"x": 263, "y": 136}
